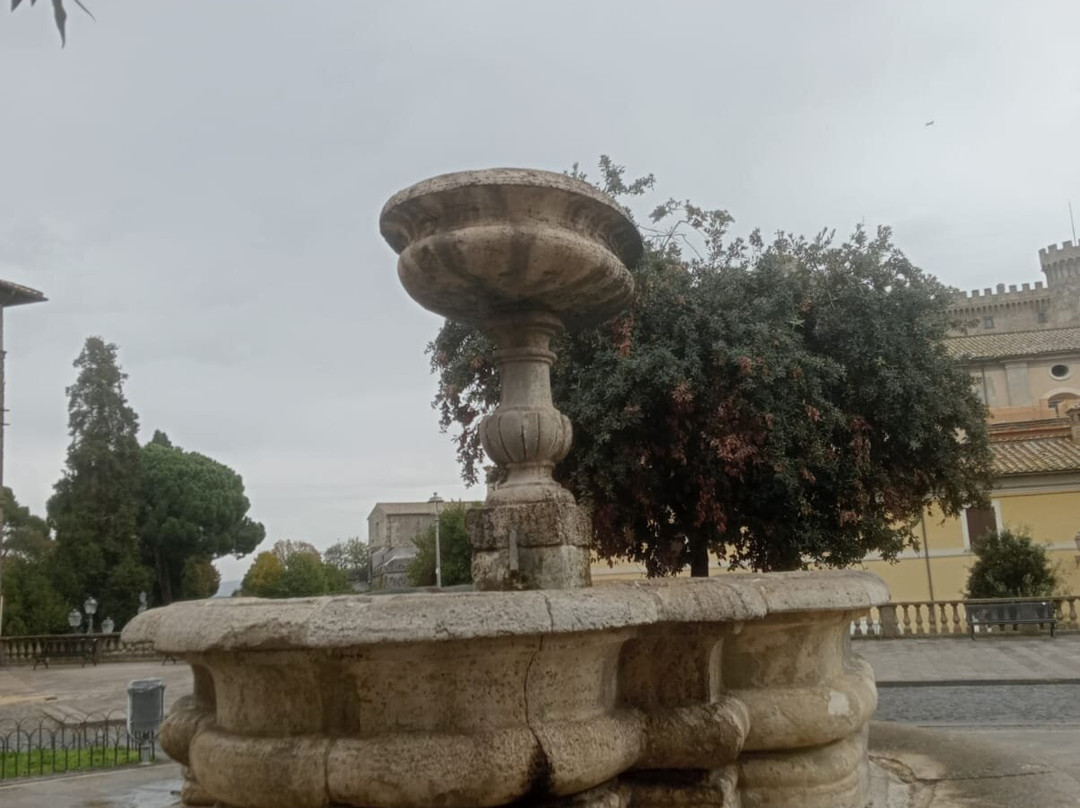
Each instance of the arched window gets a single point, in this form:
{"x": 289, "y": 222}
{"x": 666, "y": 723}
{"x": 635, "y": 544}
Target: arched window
{"x": 1061, "y": 401}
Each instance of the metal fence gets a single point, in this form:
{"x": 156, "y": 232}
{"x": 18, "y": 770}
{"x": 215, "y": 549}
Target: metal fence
{"x": 943, "y": 618}
{"x": 45, "y": 746}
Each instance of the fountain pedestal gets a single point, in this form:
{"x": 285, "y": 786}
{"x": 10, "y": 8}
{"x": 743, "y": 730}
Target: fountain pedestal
{"x": 739, "y": 691}
{"x": 521, "y": 255}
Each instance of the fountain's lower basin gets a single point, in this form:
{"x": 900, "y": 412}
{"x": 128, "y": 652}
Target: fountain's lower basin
{"x": 738, "y": 690}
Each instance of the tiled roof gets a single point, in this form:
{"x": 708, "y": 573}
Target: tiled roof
{"x": 13, "y": 294}
{"x": 417, "y": 508}
{"x": 1035, "y": 455}
{"x": 1019, "y": 343}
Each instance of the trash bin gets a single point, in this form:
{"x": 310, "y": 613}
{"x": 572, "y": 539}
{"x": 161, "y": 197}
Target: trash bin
{"x": 146, "y": 710}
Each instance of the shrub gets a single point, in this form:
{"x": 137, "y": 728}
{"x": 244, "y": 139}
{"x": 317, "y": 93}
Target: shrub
{"x": 1009, "y": 564}
{"x": 454, "y": 545}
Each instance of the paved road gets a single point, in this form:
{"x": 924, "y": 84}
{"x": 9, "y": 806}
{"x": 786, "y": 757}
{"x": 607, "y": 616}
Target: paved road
{"x": 68, "y": 692}
{"x": 983, "y": 705}
{"x": 961, "y": 659}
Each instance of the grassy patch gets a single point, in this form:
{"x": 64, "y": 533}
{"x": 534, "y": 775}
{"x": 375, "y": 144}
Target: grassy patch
{"x": 37, "y": 762}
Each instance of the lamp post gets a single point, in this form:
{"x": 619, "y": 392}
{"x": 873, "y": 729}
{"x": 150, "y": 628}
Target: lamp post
{"x": 74, "y": 620}
{"x": 90, "y": 606}
{"x": 436, "y": 500}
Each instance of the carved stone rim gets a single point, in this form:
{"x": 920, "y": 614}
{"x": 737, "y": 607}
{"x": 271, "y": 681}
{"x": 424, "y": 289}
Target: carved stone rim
{"x": 354, "y": 621}
{"x": 509, "y": 177}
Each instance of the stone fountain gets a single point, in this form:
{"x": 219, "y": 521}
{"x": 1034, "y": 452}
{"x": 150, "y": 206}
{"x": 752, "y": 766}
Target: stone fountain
{"x": 739, "y": 690}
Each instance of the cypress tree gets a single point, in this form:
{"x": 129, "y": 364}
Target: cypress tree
{"x": 95, "y": 507}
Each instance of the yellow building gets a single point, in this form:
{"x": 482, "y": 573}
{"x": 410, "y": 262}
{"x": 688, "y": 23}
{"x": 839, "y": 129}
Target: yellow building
{"x": 1037, "y": 488}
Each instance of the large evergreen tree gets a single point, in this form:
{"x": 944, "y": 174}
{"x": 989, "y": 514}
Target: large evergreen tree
{"x": 94, "y": 509}
{"x": 778, "y": 406}
{"x": 193, "y": 510}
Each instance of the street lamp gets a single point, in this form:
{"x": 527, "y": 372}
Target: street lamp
{"x": 90, "y": 606}
{"x": 74, "y": 619}
{"x": 436, "y": 500}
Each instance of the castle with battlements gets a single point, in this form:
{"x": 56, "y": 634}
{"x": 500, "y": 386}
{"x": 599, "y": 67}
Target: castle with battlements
{"x": 1044, "y": 306}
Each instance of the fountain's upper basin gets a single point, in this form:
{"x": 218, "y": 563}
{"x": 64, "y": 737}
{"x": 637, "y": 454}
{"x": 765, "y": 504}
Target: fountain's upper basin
{"x": 478, "y": 245}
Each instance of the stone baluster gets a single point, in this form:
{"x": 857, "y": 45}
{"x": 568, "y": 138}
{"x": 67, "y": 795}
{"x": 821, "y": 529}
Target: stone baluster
{"x": 857, "y": 627}
{"x": 1065, "y": 611}
{"x": 889, "y": 624}
{"x": 918, "y": 619}
{"x": 906, "y": 618}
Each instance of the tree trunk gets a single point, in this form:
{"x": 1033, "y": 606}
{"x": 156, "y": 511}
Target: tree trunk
{"x": 782, "y": 559}
{"x": 699, "y": 560}
{"x": 162, "y": 571}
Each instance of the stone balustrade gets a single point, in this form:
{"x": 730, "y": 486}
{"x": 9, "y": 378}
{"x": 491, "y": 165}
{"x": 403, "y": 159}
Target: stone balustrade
{"x": 111, "y": 648}
{"x": 740, "y": 690}
{"x": 943, "y": 618}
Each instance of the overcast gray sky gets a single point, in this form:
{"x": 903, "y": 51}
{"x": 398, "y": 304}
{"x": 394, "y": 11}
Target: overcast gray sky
{"x": 200, "y": 183}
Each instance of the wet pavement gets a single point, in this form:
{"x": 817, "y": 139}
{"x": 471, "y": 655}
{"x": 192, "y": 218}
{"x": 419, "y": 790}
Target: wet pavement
{"x": 154, "y": 786}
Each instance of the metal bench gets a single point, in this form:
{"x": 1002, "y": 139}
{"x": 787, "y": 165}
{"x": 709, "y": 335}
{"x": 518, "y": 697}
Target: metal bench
{"x": 73, "y": 647}
{"x": 1014, "y": 613}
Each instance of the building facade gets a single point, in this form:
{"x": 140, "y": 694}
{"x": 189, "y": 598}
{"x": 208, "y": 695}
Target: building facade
{"x": 392, "y": 526}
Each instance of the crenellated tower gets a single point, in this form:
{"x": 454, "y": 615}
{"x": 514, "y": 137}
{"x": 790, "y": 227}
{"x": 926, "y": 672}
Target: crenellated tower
{"x": 1031, "y": 307}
